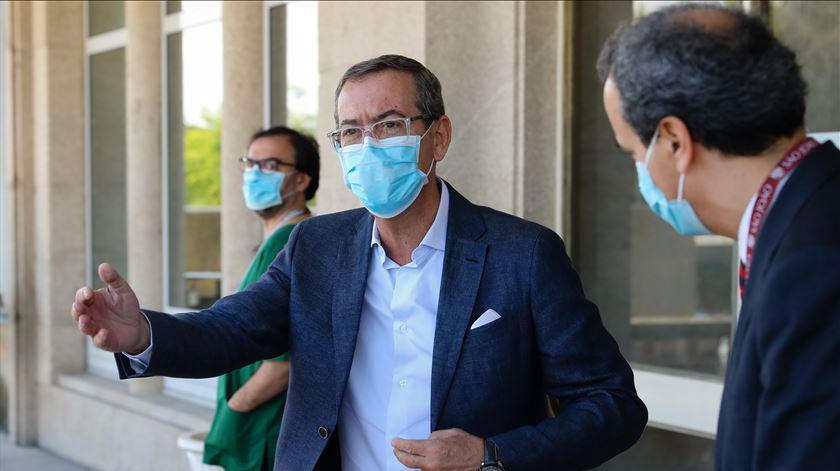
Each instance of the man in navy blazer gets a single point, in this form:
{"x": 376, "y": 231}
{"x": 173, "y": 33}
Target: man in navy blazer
{"x": 423, "y": 331}
{"x": 711, "y": 106}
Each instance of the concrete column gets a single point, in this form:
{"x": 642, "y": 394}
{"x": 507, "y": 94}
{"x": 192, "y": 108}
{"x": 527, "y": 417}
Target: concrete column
{"x": 22, "y": 404}
{"x": 241, "y": 117}
{"x": 144, "y": 195}
{"x": 542, "y": 109}
{"x": 481, "y": 82}
{"x": 58, "y": 104}
{"x": 349, "y": 32}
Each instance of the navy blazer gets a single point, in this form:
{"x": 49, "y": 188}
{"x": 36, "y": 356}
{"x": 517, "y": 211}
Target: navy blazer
{"x": 490, "y": 382}
{"x": 781, "y": 399}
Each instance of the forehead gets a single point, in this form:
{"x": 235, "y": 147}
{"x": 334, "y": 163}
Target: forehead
{"x": 279, "y": 147}
{"x": 625, "y": 135}
{"x": 361, "y": 100}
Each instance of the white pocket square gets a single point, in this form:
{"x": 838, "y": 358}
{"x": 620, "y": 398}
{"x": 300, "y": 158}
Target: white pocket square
{"x": 486, "y": 318}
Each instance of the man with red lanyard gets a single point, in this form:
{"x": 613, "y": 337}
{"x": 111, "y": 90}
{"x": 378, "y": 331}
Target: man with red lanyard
{"x": 711, "y": 107}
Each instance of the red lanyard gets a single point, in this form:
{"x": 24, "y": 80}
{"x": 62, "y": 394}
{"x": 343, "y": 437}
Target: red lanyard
{"x": 768, "y": 190}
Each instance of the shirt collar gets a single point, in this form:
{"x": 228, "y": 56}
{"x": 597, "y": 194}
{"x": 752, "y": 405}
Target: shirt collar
{"x": 435, "y": 237}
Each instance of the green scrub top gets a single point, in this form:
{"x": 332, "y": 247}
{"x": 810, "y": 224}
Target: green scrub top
{"x": 246, "y": 441}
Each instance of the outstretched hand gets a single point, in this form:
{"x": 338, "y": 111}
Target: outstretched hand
{"x": 111, "y": 315}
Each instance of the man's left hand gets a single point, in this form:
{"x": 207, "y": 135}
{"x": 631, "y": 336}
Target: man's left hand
{"x": 444, "y": 450}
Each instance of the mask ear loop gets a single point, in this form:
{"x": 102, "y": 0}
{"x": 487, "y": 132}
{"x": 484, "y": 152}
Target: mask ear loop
{"x": 287, "y": 195}
{"x": 418, "y": 151}
{"x": 680, "y": 187}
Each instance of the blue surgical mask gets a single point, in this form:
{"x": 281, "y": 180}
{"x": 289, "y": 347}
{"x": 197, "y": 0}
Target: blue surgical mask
{"x": 678, "y": 213}
{"x": 383, "y": 174}
{"x": 262, "y": 190}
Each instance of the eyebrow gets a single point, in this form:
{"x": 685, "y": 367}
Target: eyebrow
{"x": 377, "y": 118}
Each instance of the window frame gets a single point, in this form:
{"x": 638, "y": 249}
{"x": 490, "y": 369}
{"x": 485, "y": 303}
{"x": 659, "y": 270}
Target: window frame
{"x": 197, "y": 391}
{"x": 665, "y": 391}
{"x": 267, "y": 6}
{"x": 7, "y": 261}
{"x": 98, "y": 362}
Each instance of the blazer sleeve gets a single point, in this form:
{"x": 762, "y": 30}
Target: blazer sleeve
{"x": 237, "y": 330}
{"x": 600, "y": 414}
{"x": 798, "y": 338}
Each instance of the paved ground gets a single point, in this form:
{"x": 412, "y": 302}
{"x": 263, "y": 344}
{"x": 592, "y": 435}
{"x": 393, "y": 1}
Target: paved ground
{"x": 26, "y": 458}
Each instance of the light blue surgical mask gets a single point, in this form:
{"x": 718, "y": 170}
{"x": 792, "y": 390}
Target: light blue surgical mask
{"x": 262, "y": 190}
{"x": 383, "y": 174}
{"x": 678, "y": 213}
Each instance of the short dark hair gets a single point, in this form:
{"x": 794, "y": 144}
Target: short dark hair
{"x": 307, "y": 158}
{"x": 737, "y": 88}
{"x": 429, "y": 96}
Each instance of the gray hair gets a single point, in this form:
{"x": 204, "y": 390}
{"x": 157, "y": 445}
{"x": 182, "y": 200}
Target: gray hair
{"x": 737, "y": 88}
{"x": 429, "y": 97}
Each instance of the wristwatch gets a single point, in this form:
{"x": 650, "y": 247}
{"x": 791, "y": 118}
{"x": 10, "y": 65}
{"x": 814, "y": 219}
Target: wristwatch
{"x": 492, "y": 461}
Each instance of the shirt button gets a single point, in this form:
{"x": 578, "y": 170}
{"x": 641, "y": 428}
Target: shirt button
{"x": 403, "y": 328}
{"x": 403, "y": 383}
{"x": 323, "y": 432}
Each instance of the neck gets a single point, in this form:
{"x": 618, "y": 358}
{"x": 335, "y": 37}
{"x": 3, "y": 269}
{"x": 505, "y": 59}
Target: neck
{"x": 738, "y": 180}
{"x": 294, "y": 204}
{"x": 401, "y": 234}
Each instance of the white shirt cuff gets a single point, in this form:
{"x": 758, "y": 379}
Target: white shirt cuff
{"x": 140, "y": 362}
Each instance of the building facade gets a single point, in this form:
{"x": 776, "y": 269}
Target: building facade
{"x": 122, "y": 123}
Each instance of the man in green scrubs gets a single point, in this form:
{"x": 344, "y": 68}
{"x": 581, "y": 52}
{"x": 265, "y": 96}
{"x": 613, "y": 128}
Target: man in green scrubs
{"x": 280, "y": 174}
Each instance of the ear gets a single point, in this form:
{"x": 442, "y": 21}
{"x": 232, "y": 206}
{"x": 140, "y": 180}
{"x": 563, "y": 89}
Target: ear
{"x": 301, "y": 181}
{"x": 442, "y": 136}
{"x": 674, "y": 134}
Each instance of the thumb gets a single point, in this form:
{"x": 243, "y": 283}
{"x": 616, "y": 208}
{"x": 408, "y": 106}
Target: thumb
{"x": 109, "y": 275}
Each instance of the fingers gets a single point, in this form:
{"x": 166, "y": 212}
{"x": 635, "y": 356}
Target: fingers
{"x": 87, "y": 326}
{"x": 412, "y": 447}
{"x": 101, "y": 339}
{"x": 78, "y": 310}
{"x": 84, "y": 295}
{"x": 82, "y": 302}
{"x": 109, "y": 275}
{"x": 408, "y": 460}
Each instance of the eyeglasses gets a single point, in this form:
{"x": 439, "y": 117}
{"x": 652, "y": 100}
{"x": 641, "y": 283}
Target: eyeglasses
{"x": 269, "y": 165}
{"x": 350, "y": 135}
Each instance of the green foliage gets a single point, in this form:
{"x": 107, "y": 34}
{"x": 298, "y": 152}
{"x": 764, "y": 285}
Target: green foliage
{"x": 202, "y": 161}
{"x": 306, "y": 123}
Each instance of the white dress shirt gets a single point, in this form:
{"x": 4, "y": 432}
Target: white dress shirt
{"x": 389, "y": 389}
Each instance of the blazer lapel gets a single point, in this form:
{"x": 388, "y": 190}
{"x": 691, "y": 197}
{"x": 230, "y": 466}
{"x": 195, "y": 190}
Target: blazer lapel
{"x": 348, "y": 299}
{"x": 811, "y": 174}
{"x": 463, "y": 265}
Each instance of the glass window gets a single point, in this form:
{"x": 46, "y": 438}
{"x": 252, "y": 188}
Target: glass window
{"x": 194, "y": 84}
{"x": 293, "y": 66}
{"x": 669, "y": 300}
{"x": 105, "y": 16}
{"x": 812, "y": 30}
{"x": 107, "y": 144}
{"x": 193, "y": 198}
{"x": 5, "y": 216}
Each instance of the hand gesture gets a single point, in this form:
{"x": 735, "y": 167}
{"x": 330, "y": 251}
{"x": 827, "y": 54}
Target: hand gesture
{"x": 450, "y": 450}
{"x": 111, "y": 315}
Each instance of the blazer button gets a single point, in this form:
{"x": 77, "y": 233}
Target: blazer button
{"x": 323, "y": 432}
